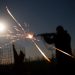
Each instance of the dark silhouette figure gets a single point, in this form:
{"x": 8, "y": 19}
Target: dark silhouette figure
{"x": 18, "y": 58}
{"x": 62, "y": 41}
{"x": 18, "y": 61}
{"x": 21, "y": 57}
{"x": 15, "y": 55}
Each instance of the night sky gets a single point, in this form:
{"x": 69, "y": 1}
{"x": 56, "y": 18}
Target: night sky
{"x": 43, "y": 15}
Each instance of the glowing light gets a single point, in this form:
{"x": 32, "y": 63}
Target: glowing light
{"x": 30, "y": 36}
{"x": 2, "y": 27}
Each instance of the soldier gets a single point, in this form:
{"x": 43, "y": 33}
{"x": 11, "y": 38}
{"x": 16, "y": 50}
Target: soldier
{"x": 62, "y": 40}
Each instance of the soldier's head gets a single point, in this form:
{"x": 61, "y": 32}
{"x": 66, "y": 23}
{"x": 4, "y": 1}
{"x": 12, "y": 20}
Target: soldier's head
{"x": 59, "y": 29}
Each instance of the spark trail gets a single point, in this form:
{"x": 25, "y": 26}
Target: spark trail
{"x": 41, "y": 52}
{"x": 63, "y": 52}
{"x": 14, "y": 19}
{"x": 58, "y": 50}
{"x": 31, "y": 37}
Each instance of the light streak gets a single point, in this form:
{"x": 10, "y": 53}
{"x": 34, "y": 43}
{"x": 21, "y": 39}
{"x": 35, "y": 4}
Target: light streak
{"x": 17, "y": 29}
{"x": 10, "y": 31}
{"x": 14, "y": 19}
{"x": 41, "y": 52}
{"x": 63, "y": 52}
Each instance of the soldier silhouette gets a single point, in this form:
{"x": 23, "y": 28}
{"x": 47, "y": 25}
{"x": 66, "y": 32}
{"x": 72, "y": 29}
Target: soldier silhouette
{"x": 62, "y": 40}
{"x": 18, "y": 59}
{"x": 18, "y": 62}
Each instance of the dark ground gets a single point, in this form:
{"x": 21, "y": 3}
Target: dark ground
{"x": 38, "y": 68}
